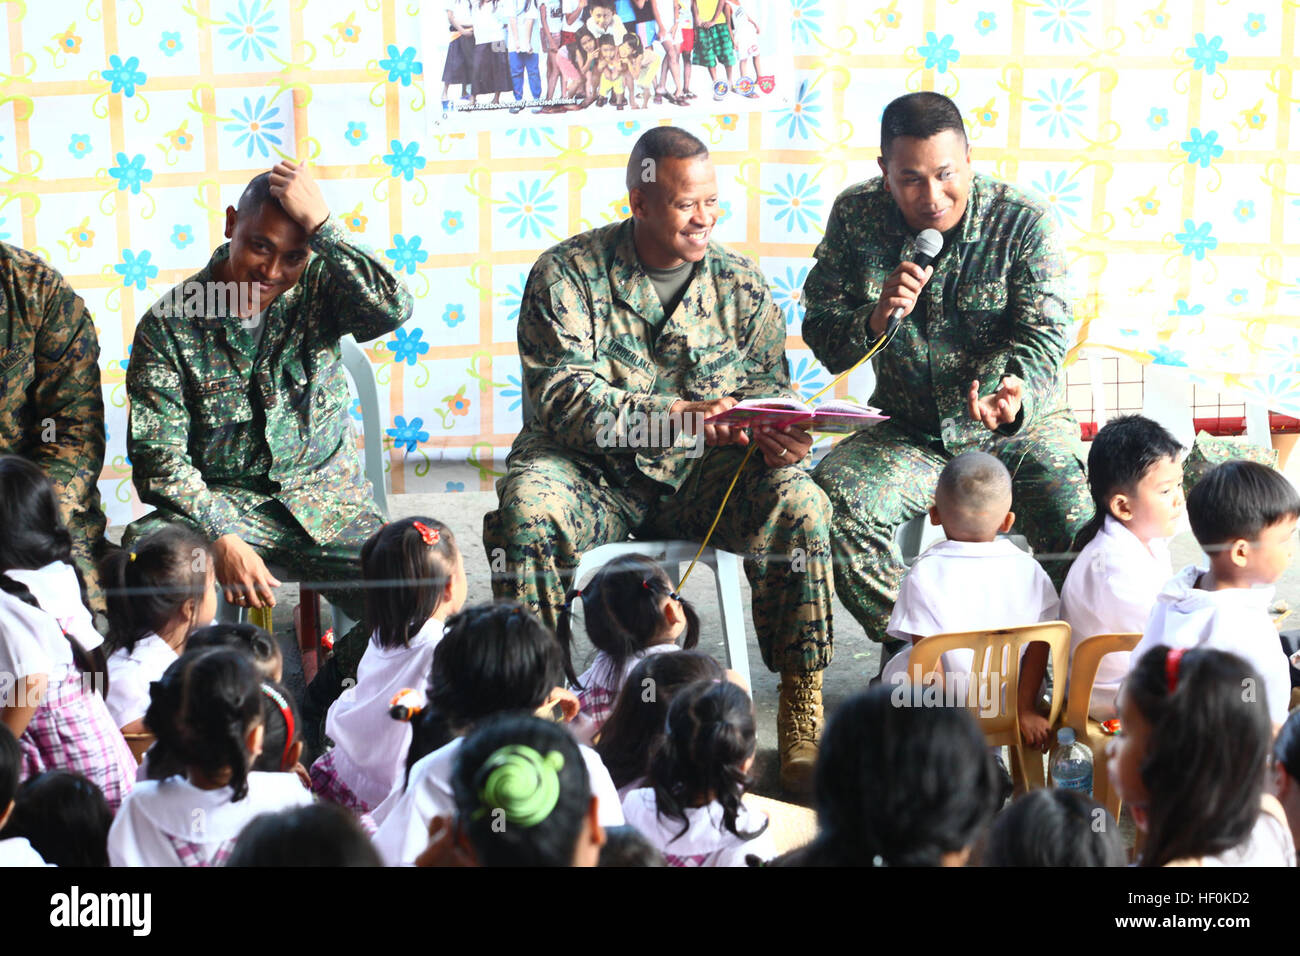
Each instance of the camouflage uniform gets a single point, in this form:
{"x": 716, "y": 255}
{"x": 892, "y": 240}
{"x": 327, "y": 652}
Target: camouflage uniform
{"x": 232, "y": 438}
{"x": 996, "y": 304}
{"x": 49, "y": 370}
{"x": 594, "y": 343}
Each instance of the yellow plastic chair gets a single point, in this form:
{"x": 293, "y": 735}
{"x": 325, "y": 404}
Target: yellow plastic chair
{"x": 1083, "y": 672}
{"x": 995, "y": 707}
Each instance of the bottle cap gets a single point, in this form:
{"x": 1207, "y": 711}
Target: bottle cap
{"x": 1065, "y": 736}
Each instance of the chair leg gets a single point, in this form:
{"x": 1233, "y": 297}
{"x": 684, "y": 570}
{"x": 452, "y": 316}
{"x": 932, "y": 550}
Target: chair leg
{"x": 727, "y": 573}
{"x": 309, "y": 632}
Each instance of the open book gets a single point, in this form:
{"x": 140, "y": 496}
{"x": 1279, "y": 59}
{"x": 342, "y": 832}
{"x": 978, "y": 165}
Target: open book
{"x": 835, "y": 415}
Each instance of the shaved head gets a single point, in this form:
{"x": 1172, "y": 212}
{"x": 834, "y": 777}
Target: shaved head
{"x": 973, "y": 496}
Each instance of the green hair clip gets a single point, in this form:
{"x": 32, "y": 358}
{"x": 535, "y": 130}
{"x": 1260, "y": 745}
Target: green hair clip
{"x": 521, "y": 782}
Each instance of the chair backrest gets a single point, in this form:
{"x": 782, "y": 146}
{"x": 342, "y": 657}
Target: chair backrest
{"x": 1083, "y": 671}
{"x": 991, "y": 694}
{"x": 362, "y": 374}
{"x": 139, "y": 744}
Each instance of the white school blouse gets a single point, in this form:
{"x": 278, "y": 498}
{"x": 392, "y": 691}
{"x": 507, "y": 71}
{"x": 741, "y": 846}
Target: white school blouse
{"x": 30, "y": 644}
{"x": 1233, "y": 619}
{"x": 601, "y": 687}
{"x": 404, "y": 827}
{"x": 57, "y": 591}
{"x": 957, "y": 586}
{"x": 158, "y": 809}
{"x": 370, "y": 746}
{"x": 1111, "y": 589}
{"x": 131, "y": 672}
{"x": 706, "y": 841}
{"x": 16, "y": 851}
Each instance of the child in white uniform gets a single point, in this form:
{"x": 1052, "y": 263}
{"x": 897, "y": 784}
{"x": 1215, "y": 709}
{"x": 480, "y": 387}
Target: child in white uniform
{"x": 158, "y": 593}
{"x": 51, "y": 683}
{"x": 974, "y": 581}
{"x": 494, "y": 658}
{"x": 207, "y": 715}
{"x": 1244, "y": 517}
{"x": 1190, "y": 763}
{"x": 629, "y": 612}
{"x": 14, "y": 851}
{"x": 693, "y": 809}
{"x": 420, "y": 560}
{"x": 1137, "y": 488}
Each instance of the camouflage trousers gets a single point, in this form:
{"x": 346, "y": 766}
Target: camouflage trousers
{"x": 882, "y": 477}
{"x": 557, "y": 504}
{"x": 282, "y": 543}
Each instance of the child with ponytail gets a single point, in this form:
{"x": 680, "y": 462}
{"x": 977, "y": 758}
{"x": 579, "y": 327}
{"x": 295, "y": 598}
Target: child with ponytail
{"x": 416, "y": 580}
{"x": 158, "y": 594}
{"x": 693, "y": 809}
{"x": 630, "y": 611}
{"x": 206, "y": 713}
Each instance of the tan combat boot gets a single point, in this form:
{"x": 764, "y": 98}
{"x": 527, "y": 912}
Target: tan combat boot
{"x": 798, "y": 729}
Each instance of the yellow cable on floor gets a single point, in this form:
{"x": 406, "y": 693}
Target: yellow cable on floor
{"x": 884, "y": 339}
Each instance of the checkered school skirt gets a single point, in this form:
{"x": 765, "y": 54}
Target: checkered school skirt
{"x": 73, "y": 730}
{"x": 326, "y": 785}
{"x": 194, "y": 854}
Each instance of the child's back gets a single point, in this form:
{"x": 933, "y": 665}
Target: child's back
{"x": 706, "y": 841}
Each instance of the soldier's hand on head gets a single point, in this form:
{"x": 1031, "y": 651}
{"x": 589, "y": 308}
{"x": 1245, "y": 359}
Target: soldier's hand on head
{"x": 714, "y": 435}
{"x": 901, "y": 290}
{"x": 783, "y": 446}
{"x": 298, "y": 193}
{"x": 998, "y": 409}
{"x": 242, "y": 573}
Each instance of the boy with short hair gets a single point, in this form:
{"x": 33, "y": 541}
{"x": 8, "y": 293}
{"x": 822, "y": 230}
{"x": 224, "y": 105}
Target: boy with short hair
{"x": 1244, "y": 517}
{"x": 974, "y": 580}
{"x": 1137, "y": 489}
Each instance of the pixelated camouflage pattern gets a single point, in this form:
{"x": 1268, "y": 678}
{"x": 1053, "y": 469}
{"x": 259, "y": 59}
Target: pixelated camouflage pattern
{"x": 219, "y": 427}
{"x": 593, "y": 340}
{"x": 1208, "y": 452}
{"x": 594, "y": 343}
{"x": 996, "y": 304}
{"x": 49, "y": 369}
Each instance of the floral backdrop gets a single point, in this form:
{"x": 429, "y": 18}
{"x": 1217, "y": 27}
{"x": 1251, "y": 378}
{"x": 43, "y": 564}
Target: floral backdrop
{"x": 1161, "y": 134}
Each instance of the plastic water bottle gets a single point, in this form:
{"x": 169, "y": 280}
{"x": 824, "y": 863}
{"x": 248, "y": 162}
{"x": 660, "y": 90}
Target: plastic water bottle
{"x": 1071, "y": 763}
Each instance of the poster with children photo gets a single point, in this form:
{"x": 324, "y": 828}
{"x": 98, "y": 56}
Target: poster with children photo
{"x": 496, "y": 64}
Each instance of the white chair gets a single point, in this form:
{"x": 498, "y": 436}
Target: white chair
{"x": 673, "y": 555}
{"x": 361, "y": 372}
{"x": 914, "y": 536}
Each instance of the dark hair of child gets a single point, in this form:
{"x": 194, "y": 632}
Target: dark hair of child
{"x": 319, "y": 835}
{"x": 406, "y": 576}
{"x": 147, "y": 586}
{"x": 11, "y": 765}
{"x": 493, "y": 658}
{"x": 1286, "y": 746}
{"x": 622, "y": 610}
{"x": 522, "y": 792}
{"x": 32, "y": 535}
{"x": 1051, "y": 827}
{"x": 633, "y": 43}
{"x": 1206, "y": 752}
{"x": 708, "y": 740}
{"x": 607, "y": 40}
{"x": 249, "y": 639}
{"x": 1238, "y": 499}
{"x": 626, "y": 847}
{"x": 636, "y": 724}
{"x": 200, "y": 713}
{"x": 576, "y": 50}
{"x": 281, "y": 729}
{"x": 64, "y": 817}
{"x": 900, "y": 786}
{"x": 1121, "y": 454}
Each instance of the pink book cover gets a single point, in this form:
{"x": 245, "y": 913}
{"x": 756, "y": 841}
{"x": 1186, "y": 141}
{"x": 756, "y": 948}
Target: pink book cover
{"x": 836, "y": 415}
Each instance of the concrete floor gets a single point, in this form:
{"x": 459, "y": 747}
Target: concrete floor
{"x": 857, "y": 659}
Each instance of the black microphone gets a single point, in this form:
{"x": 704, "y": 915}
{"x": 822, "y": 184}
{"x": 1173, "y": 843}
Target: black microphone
{"x": 928, "y": 245}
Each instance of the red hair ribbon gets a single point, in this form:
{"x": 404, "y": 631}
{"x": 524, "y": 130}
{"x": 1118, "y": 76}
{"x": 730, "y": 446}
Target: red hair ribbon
{"x": 429, "y": 535}
{"x": 278, "y": 699}
{"x": 1172, "y": 662}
